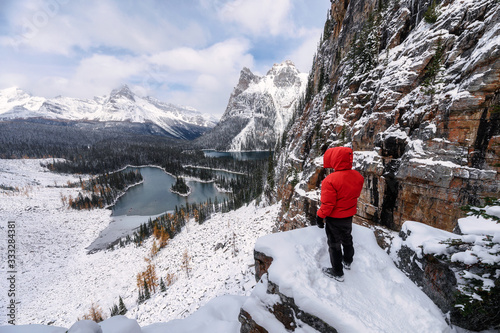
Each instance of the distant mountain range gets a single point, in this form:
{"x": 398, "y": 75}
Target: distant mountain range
{"x": 121, "y": 106}
{"x": 258, "y": 110}
{"x": 257, "y": 113}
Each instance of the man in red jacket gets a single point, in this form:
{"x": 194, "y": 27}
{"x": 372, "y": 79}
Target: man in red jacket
{"x": 339, "y": 197}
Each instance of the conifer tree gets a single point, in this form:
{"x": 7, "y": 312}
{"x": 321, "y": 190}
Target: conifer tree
{"x": 186, "y": 265}
{"x": 431, "y": 14}
{"x": 95, "y": 313}
{"x": 114, "y": 310}
{"x": 122, "y": 310}
{"x": 431, "y": 78}
{"x": 164, "y": 237}
{"x": 363, "y": 52}
{"x": 270, "y": 171}
{"x": 140, "y": 298}
{"x": 163, "y": 288}
{"x": 154, "y": 249}
{"x": 147, "y": 294}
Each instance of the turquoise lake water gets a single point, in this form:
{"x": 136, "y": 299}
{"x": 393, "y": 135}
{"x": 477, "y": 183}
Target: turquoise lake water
{"x": 153, "y": 196}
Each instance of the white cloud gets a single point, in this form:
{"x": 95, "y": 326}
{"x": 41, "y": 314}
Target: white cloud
{"x": 13, "y": 80}
{"x": 214, "y": 59}
{"x": 103, "y": 72}
{"x": 94, "y": 76}
{"x": 211, "y": 73}
{"x": 201, "y": 78}
{"x": 66, "y": 27}
{"x": 303, "y": 55}
{"x": 260, "y": 17}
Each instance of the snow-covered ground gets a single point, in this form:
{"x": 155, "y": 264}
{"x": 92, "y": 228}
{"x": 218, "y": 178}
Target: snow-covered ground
{"x": 57, "y": 280}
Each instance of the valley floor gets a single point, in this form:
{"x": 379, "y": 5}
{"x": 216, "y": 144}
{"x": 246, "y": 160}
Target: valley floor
{"x": 57, "y": 281}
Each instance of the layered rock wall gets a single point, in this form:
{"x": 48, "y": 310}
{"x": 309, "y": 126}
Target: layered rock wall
{"x": 418, "y": 100}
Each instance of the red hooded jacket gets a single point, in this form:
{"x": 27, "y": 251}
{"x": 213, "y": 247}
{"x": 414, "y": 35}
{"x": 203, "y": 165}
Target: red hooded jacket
{"x": 340, "y": 190}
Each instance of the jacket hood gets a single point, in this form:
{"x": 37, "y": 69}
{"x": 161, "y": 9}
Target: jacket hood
{"x": 338, "y": 158}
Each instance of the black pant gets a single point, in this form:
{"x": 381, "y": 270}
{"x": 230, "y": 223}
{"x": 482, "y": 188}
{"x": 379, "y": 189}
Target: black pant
{"x": 338, "y": 232}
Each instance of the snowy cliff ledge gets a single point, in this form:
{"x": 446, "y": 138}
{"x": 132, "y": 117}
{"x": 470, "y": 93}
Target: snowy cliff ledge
{"x": 294, "y": 295}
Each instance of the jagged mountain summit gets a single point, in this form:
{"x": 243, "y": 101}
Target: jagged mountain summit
{"x": 122, "y": 106}
{"x": 258, "y": 110}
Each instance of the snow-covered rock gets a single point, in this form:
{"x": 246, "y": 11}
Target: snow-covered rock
{"x": 33, "y": 328}
{"x": 295, "y": 295}
{"x": 85, "y": 326}
{"x": 217, "y": 316}
{"x": 120, "y": 324}
{"x": 459, "y": 272}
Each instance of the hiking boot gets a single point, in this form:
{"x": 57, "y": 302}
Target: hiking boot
{"x": 329, "y": 272}
{"x": 346, "y": 265}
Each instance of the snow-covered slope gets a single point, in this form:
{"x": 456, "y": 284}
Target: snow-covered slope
{"x": 259, "y": 109}
{"x": 122, "y": 105}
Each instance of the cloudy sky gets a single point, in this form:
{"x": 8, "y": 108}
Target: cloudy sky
{"x": 186, "y": 52}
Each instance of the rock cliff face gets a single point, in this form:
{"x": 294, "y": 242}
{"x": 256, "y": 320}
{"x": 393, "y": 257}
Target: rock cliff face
{"x": 414, "y": 88}
{"x": 258, "y": 110}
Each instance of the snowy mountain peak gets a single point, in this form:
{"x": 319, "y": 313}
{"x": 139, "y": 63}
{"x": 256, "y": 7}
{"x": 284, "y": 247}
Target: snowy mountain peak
{"x": 14, "y": 91}
{"x": 285, "y": 74}
{"x": 286, "y": 65}
{"x": 11, "y": 95}
{"x": 283, "y": 82}
{"x": 123, "y": 91}
{"x": 246, "y": 78}
{"x": 16, "y": 103}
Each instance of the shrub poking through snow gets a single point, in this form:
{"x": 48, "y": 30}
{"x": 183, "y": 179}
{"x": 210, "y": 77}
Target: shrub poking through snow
{"x": 95, "y": 313}
{"x": 491, "y": 205}
{"x": 432, "y": 13}
{"x": 476, "y": 260}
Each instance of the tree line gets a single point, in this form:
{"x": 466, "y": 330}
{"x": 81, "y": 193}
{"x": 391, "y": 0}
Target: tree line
{"x": 103, "y": 189}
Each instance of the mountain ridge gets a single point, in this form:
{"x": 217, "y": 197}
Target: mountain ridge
{"x": 122, "y": 105}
